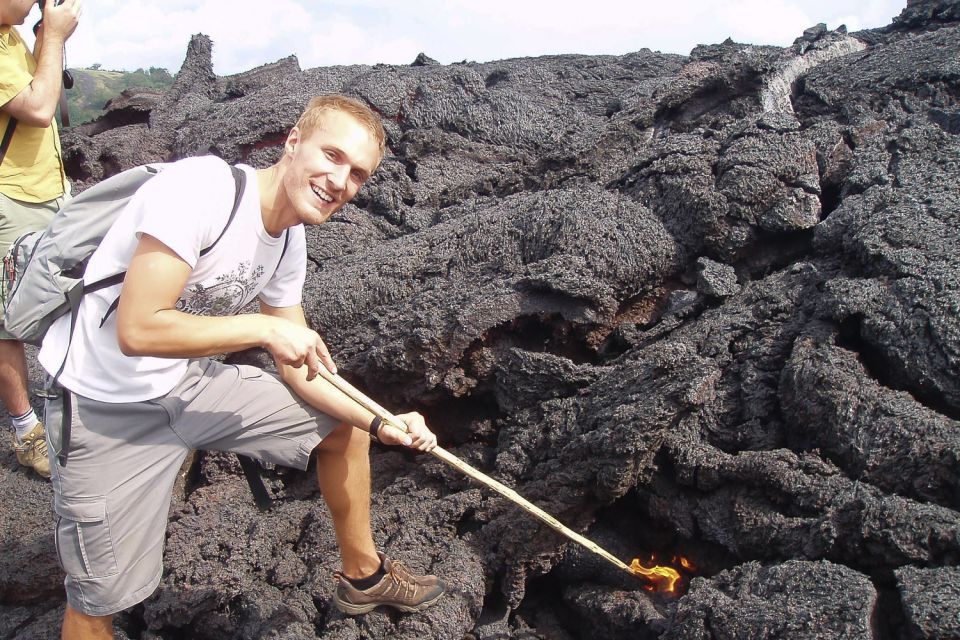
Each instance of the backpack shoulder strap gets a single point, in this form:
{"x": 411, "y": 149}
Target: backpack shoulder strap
{"x": 240, "y": 180}
{"x": 286, "y": 243}
{"x": 7, "y": 137}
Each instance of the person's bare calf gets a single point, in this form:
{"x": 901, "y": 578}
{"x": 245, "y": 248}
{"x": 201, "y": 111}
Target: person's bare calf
{"x": 343, "y": 475}
{"x": 80, "y": 626}
{"x": 13, "y": 377}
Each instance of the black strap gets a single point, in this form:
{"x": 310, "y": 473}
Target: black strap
{"x": 251, "y": 471}
{"x": 283, "y": 252}
{"x": 73, "y": 298}
{"x": 375, "y": 425}
{"x": 240, "y": 180}
{"x": 7, "y": 137}
{"x": 64, "y": 108}
{"x": 67, "y": 82}
{"x": 66, "y": 420}
{"x": 109, "y": 281}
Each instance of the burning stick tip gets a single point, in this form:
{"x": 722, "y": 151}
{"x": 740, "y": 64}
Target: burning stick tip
{"x": 659, "y": 575}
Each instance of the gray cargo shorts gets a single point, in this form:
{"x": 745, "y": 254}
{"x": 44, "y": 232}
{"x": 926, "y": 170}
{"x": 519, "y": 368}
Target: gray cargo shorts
{"x": 112, "y": 497}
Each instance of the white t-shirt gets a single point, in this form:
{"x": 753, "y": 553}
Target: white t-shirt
{"x": 186, "y": 207}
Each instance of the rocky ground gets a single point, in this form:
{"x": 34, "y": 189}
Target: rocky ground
{"x": 701, "y": 307}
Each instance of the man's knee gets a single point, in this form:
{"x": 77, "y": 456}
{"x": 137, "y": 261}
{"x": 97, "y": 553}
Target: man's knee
{"x": 345, "y": 440}
{"x": 80, "y": 626}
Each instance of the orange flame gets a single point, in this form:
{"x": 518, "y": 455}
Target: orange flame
{"x": 659, "y": 575}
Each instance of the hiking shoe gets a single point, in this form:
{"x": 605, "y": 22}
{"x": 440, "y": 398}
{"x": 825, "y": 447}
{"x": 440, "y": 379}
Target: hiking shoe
{"x": 32, "y": 451}
{"x": 399, "y": 589}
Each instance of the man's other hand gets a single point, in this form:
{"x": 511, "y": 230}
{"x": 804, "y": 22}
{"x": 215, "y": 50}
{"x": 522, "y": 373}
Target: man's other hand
{"x": 418, "y": 436}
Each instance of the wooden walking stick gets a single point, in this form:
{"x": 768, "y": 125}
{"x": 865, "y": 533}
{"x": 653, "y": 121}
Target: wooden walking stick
{"x": 636, "y": 569}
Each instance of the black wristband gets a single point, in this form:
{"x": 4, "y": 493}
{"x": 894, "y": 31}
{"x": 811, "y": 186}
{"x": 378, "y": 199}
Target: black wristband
{"x": 375, "y": 425}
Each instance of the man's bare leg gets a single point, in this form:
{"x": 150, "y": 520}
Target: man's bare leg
{"x": 343, "y": 474}
{"x": 80, "y": 626}
{"x": 13, "y": 377}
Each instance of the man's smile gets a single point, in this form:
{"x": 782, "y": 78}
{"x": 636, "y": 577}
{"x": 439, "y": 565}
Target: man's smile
{"x": 320, "y": 193}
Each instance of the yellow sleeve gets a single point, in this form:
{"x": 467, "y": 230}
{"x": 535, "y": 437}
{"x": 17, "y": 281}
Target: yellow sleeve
{"x": 16, "y": 65}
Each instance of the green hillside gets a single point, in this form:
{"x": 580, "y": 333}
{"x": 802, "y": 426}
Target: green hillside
{"x": 92, "y": 88}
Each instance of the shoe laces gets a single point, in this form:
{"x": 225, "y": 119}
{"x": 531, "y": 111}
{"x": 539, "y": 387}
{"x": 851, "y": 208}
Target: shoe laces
{"x": 37, "y": 443}
{"x": 403, "y": 580}
{"x": 403, "y": 585}
{"x": 40, "y": 444}
{"x": 402, "y": 570}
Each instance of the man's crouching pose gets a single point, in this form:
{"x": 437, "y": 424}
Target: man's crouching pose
{"x": 143, "y": 392}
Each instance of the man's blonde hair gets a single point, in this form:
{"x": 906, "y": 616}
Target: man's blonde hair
{"x": 310, "y": 118}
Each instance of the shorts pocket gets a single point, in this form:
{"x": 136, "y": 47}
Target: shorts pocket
{"x": 83, "y": 538}
{"x": 249, "y": 372}
{"x": 52, "y": 418}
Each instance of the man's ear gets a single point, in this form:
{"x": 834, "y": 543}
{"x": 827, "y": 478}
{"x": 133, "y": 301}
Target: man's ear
{"x": 293, "y": 139}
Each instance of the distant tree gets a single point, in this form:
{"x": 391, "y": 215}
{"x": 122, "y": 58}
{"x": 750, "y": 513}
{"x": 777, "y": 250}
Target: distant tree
{"x": 160, "y": 74}
{"x": 95, "y": 66}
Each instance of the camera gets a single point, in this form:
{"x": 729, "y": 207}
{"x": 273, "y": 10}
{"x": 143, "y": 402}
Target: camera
{"x": 67, "y": 77}
{"x": 43, "y": 5}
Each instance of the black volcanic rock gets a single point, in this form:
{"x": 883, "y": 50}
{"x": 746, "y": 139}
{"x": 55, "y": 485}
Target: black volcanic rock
{"x": 823, "y": 601}
{"x": 423, "y": 60}
{"x": 699, "y": 306}
{"x": 929, "y": 599}
{"x": 927, "y": 13}
{"x": 247, "y": 82}
{"x": 132, "y": 106}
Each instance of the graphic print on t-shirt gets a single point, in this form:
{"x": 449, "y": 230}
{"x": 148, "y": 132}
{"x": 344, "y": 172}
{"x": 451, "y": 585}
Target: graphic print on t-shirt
{"x": 226, "y": 296}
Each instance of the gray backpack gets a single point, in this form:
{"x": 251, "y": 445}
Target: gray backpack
{"x": 43, "y": 271}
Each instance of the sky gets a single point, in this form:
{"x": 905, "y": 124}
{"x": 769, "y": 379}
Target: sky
{"x": 131, "y": 34}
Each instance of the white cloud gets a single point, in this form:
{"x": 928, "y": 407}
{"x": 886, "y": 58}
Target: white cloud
{"x": 138, "y": 33}
{"x": 344, "y": 42}
{"x": 763, "y": 21}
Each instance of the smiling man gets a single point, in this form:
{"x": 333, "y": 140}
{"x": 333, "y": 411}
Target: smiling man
{"x": 142, "y": 391}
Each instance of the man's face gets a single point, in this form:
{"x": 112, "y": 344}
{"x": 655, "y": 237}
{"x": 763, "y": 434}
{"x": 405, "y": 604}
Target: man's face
{"x": 15, "y": 11}
{"x": 328, "y": 166}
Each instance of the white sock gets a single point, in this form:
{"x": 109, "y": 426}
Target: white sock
{"x": 24, "y": 424}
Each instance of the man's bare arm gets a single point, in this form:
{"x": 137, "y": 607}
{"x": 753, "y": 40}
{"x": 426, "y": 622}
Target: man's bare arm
{"x": 37, "y": 103}
{"x": 148, "y": 323}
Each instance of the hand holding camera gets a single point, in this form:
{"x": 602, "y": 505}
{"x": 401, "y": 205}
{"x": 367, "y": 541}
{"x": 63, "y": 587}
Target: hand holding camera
{"x": 59, "y": 18}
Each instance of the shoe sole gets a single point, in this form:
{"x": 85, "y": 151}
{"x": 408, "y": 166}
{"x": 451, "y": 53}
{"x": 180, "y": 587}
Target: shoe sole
{"x": 27, "y": 465}
{"x": 357, "y": 609}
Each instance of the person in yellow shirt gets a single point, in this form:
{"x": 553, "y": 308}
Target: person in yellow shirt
{"x": 32, "y": 180}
